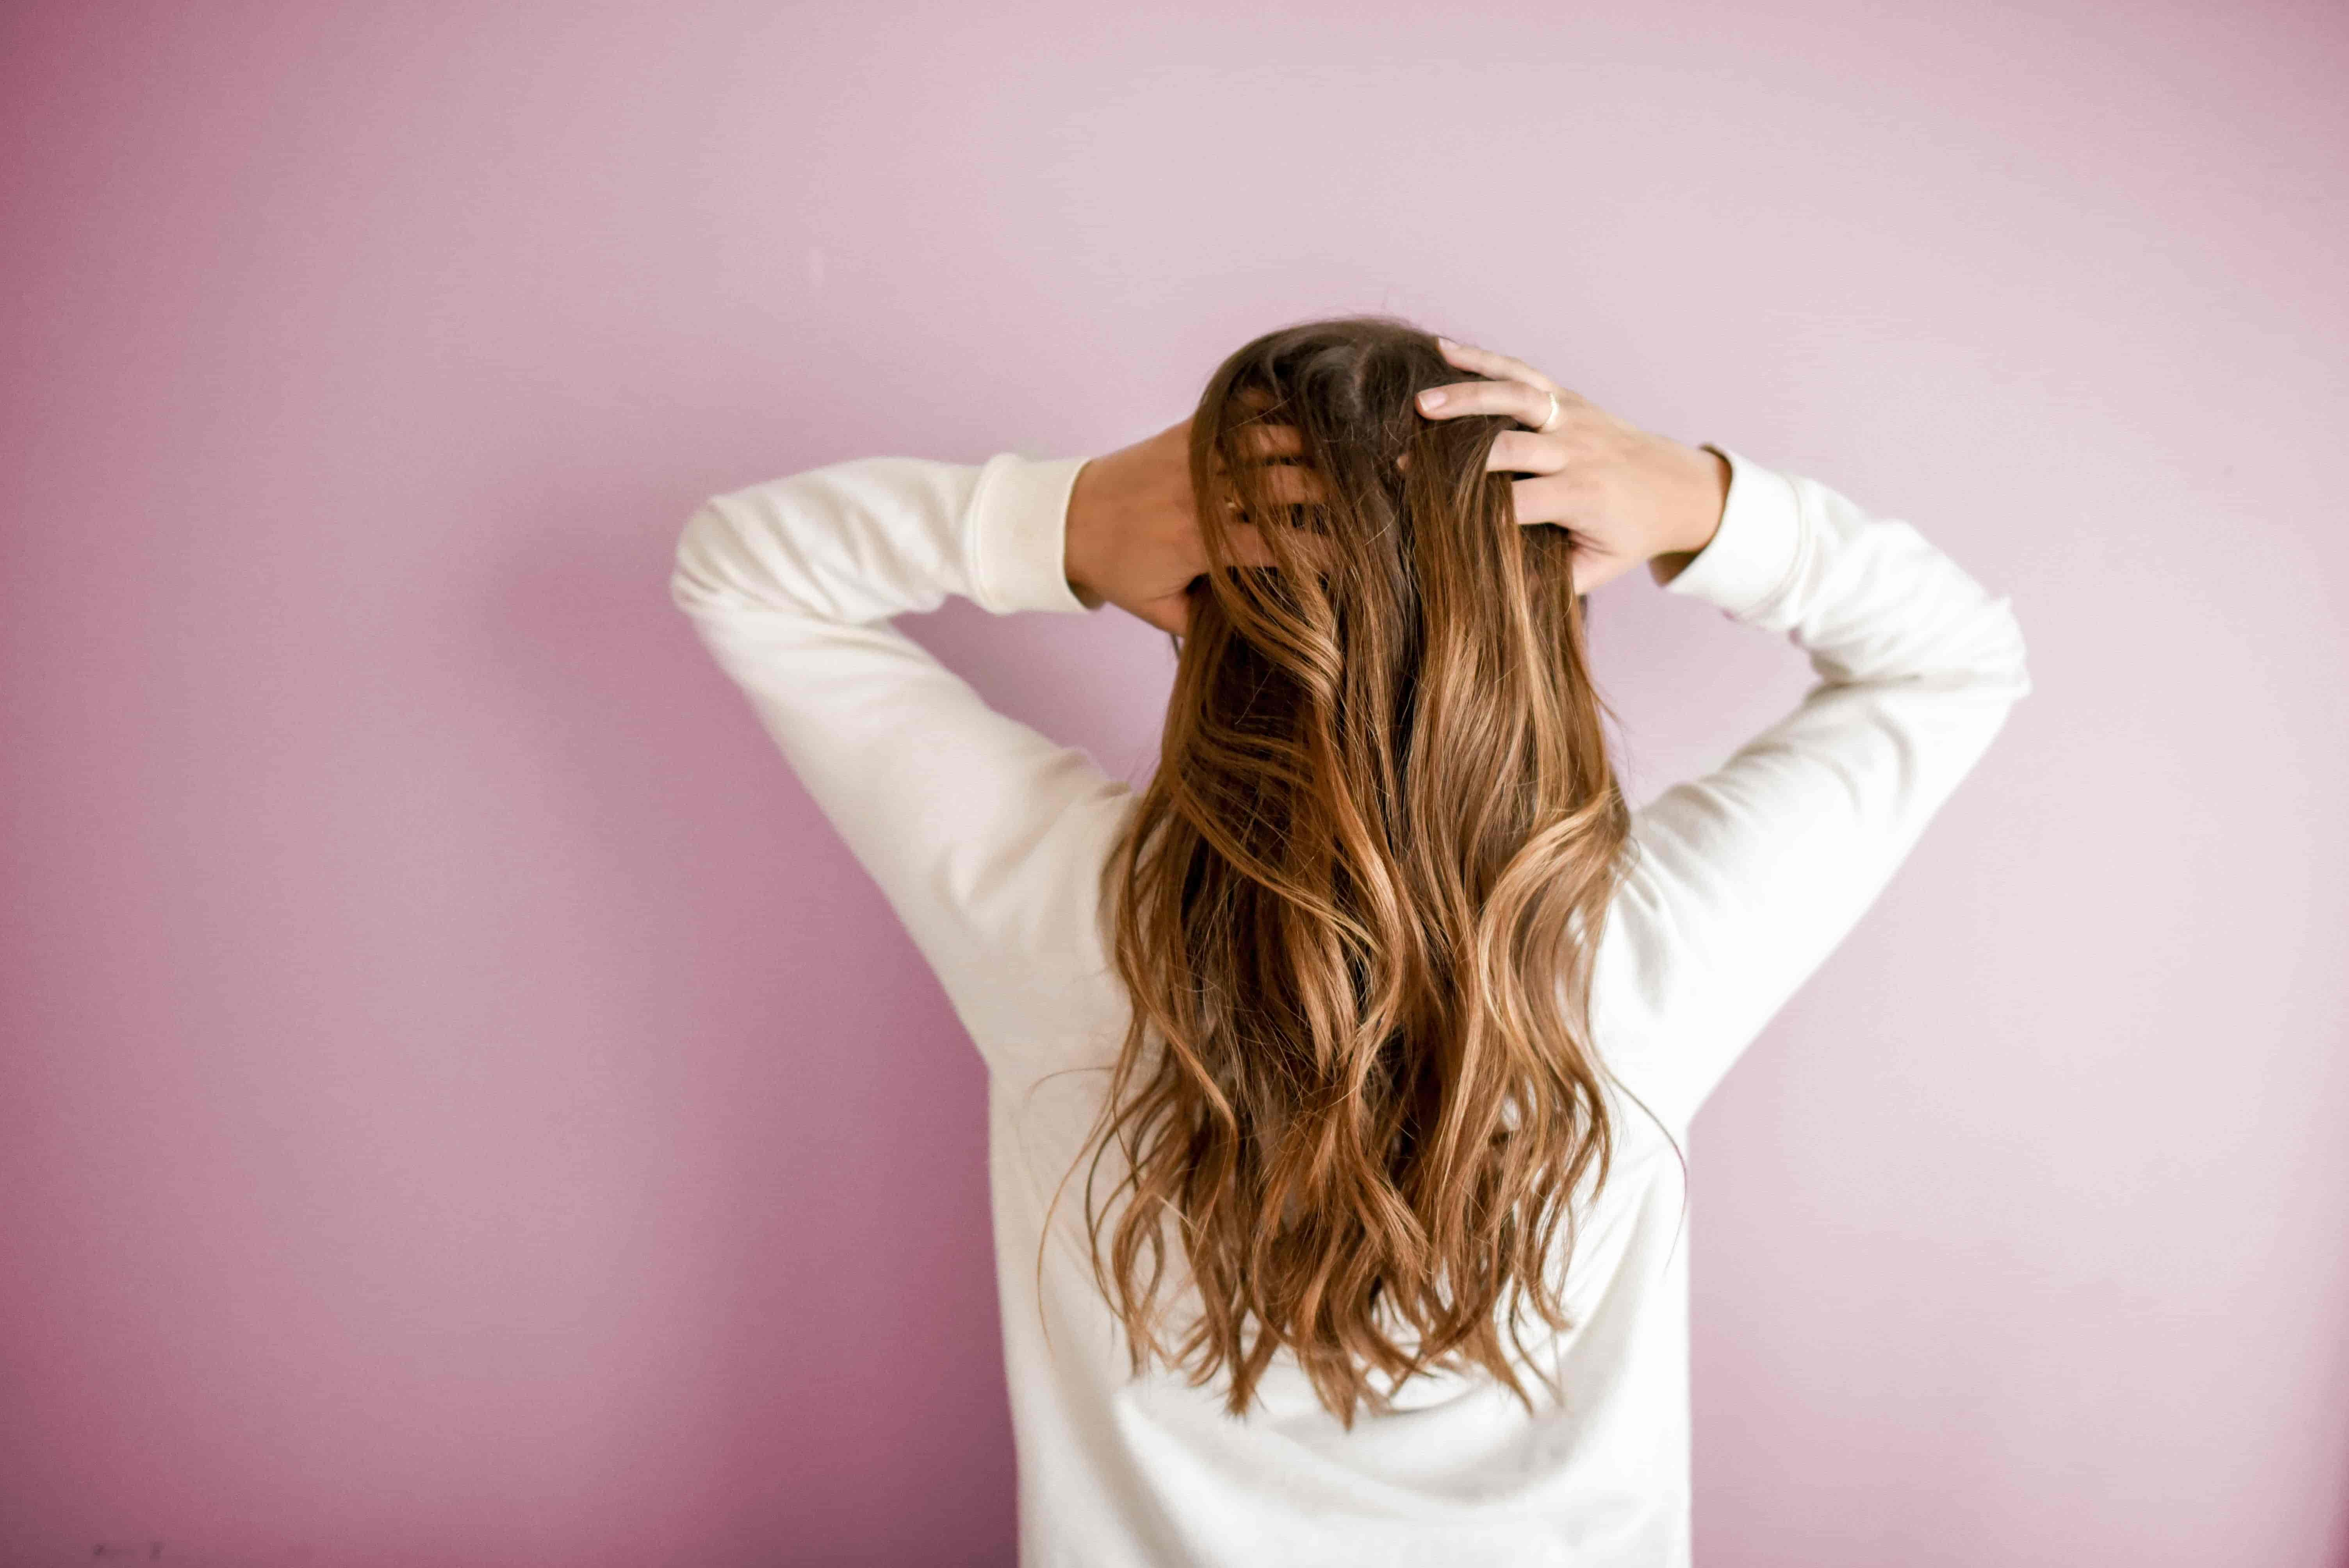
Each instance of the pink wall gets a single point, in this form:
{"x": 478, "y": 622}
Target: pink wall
{"x": 460, "y": 1104}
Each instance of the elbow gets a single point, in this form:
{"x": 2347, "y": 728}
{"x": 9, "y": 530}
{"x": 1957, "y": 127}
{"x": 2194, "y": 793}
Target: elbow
{"x": 1979, "y": 658}
{"x": 697, "y": 578}
{"x": 2011, "y": 665}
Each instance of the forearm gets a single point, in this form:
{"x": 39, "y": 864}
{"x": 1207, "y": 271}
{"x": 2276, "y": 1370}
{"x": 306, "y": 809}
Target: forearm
{"x": 858, "y": 542}
{"x": 1743, "y": 881}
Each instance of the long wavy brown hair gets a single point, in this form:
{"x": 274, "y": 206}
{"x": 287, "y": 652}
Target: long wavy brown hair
{"x": 1355, "y": 905}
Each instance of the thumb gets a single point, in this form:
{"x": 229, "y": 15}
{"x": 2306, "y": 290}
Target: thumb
{"x": 1168, "y": 611}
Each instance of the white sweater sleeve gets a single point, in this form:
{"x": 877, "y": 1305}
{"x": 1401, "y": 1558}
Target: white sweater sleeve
{"x": 1741, "y": 883}
{"x": 982, "y": 833}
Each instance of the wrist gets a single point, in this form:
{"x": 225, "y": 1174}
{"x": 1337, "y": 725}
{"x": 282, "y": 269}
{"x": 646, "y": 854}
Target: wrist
{"x": 1708, "y": 498}
{"x": 1077, "y": 535}
{"x": 1700, "y": 500}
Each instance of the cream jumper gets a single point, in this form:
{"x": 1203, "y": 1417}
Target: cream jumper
{"x": 987, "y": 838}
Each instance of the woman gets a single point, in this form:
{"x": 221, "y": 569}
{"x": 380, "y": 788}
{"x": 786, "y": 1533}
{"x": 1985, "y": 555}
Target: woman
{"x": 1369, "y": 1031}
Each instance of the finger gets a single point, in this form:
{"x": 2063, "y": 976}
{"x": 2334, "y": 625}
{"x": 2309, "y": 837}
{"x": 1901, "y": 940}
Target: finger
{"x": 1596, "y": 569}
{"x": 1555, "y": 499}
{"x": 1249, "y": 546}
{"x": 1484, "y": 361}
{"x": 1289, "y": 485}
{"x": 1169, "y": 613}
{"x": 1268, "y": 441}
{"x": 1277, "y": 450}
{"x": 1279, "y": 483}
{"x": 1521, "y": 401}
{"x": 1525, "y": 452}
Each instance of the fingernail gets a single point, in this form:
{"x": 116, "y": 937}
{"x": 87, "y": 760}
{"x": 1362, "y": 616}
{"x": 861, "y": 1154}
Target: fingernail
{"x": 1432, "y": 398}
{"x": 1447, "y": 343}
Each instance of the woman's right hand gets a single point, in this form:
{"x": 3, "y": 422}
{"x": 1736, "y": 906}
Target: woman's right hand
{"x": 1623, "y": 495}
{"x": 1133, "y": 537}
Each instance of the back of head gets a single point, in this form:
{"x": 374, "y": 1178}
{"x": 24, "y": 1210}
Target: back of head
{"x": 1355, "y": 905}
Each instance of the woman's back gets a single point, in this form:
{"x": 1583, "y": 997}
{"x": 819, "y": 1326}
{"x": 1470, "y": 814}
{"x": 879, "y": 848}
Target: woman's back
{"x": 1120, "y": 1467}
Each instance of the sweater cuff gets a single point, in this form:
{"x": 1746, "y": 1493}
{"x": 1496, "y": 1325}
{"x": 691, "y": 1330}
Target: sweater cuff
{"x": 1751, "y": 556}
{"x": 1019, "y": 534}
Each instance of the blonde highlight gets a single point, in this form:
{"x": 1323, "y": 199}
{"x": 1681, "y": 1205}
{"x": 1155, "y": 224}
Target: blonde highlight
{"x": 1355, "y": 906}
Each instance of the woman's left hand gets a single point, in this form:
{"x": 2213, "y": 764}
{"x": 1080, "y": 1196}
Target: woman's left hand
{"x": 1623, "y": 494}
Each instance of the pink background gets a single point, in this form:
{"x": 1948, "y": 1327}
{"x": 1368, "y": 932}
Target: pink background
{"x": 460, "y": 1104}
